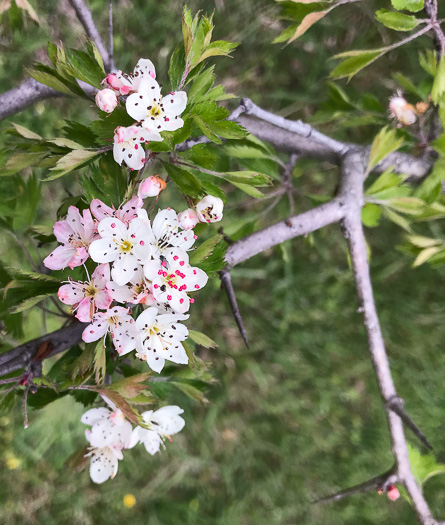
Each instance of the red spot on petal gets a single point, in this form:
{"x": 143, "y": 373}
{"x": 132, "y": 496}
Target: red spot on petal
{"x": 175, "y": 258}
{"x": 113, "y": 225}
{"x": 182, "y": 263}
{"x": 197, "y": 286}
{"x": 136, "y": 146}
{"x": 181, "y": 301}
{"x": 192, "y": 300}
{"x": 142, "y": 243}
{"x": 169, "y": 297}
{"x": 156, "y": 286}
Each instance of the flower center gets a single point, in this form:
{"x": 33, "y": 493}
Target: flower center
{"x": 90, "y": 291}
{"x": 155, "y": 111}
{"x": 125, "y": 246}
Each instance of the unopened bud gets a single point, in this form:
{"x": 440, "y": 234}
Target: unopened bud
{"x": 112, "y": 81}
{"x": 106, "y": 100}
{"x": 393, "y": 493}
{"x": 188, "y": 219}
{"x": 151, "y": 187}
{"x": 210, "y": 209}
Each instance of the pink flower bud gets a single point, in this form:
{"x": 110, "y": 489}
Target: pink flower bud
{"x": 210, "y": 209}
{"x": 113, "y": 82}
{"x": 151, "y": 187}
{"x": 106, "y": 100}
{"x": 188, "y": 219}
{"x": 393, "y": 493}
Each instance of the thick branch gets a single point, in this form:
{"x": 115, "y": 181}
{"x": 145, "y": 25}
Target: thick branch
{"x": 55, "y": 342}
{"x": 352, "y": 193}
{"x": 86, "y": 19}
{"x": 302, "y": 224}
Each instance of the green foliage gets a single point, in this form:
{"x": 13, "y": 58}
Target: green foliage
{"x": 410, "y": 5}
{"x": 384, "y": 143}
{"x": 424, "y": 466}
{"x": 396, "y": 21}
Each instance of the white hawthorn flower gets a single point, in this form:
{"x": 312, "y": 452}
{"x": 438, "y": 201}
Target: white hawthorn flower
{"x": 86, "y": 297}
{"x": 126, "y": 83}
{"x": 165, "y": 231}
{"x": 136, "y": 291}
{"x": 173, "y": 278}
{"x": 126, "y": 247}
{"x": 162, "y": 424}
{"x": 109, "y": 434}
{"x": 125, "y": 213}
{"x": 210, "y": 209}
{"x": 106, "y": 100}
{"x": 160, "y": 337}
{"x": 119, "y": 323}
{"x": 188, "y": 219}
{"x": 156, "y": 113}
{"x": 128, "y": 145}
{"x": 402, "y": 111}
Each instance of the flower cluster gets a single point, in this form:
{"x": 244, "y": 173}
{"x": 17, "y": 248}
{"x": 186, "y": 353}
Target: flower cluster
{"x": 152, "y": 112}
{"x": 139, "y": 263}
{"x": 111, "y": 433}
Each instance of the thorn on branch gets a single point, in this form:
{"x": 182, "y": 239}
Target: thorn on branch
{"x": 226, "y": 283}
{"x": 397, "y": 405}
{"x": 380, "y": 484}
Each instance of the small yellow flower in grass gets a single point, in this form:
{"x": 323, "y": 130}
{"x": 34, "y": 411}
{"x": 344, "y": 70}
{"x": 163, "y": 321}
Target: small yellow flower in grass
{"x": 12, "y": 463}
{"x": 129, "y": 501}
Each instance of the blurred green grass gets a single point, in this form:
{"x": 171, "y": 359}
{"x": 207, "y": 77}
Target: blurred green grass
{"x": 297, "y": 415}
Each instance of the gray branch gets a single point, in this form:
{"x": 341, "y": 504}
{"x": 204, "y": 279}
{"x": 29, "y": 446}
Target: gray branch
{"x": 352, "y": 193}
{"x": 86, "y": 19}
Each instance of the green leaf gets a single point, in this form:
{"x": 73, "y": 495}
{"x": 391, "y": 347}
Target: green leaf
{"x": 177, "y": 67}
{"x": 249, "y": 190}
{"x": 191, "y": 392}
{"x": 371, "y": 215}
{"x": 100, "y": 361}
{"x": 409, "y": 5}
{"x": 439, "y": 82}
{"x": 384, "y": 143}
{"x": 52, "y": 78}
{"x": 426, "y": 254}
{"x": 388, "y": 179}
{"x": 20, "y": 161}
{"x": 424, "y": 466}
{"x": 396, "y": 218}
{"x": 131, "y": 387}
{"x": 396, "y": 21}
{"x": 355, "y": 62}
{"x": 202, "y": 339}
{"x": 204, "y": 250}
{"x": 423, "y": 242}
{"x": 251, "y": 178}
{"x": 26, "y": 133}
{"x": 72, "y": 161}
{"x": 188, "y": 183}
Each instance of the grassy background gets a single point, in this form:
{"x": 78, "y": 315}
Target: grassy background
{"x": 297, "y": 415}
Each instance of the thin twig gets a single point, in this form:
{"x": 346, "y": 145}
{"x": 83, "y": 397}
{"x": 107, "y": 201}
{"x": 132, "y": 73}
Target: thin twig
{"x": 226, "y": 282}
{"x": 86, "y": 19}
{"x": 397, "y": 406}
{"x": 110, "y": 38}
{"x": 24, "y": 405}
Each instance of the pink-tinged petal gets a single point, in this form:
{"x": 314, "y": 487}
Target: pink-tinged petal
{"x": 95, "y": 331}
{"x": 75, "y": 221}
{"x": 121, "y": 294}
{"x": 174, "y": 104}
{"x": 59, "y": 258}
{"x": 62, "y": 231}
{"x": 129, "y": 211}
{"x": 88, "y": 226}
{"x": 103, "y": 251}
{"x": 135, "y": 158}
{"x": 85, "y": 310}
{"x": 124, "y": 269}
{"x": 102, "y": 300}
{"x": 185, "y": 240}
{"x": 111, "y": 228}
{"x": 100, "y": 210}
{"x": 172, "y": 123}
{"x": 79, "y": 257}
{"x": 95, "y": 414}
{"x": 144, "y": 67}
{"x": 155, "y": 362}
{"x": 71, "y": 293}
{"x": 101, "y": 275}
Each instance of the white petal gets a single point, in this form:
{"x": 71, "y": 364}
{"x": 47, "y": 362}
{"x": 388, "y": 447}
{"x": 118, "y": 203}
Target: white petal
{"x": 103, "y": 465}
{"x": 111, "y": 228}
{"x": 147, "y": 318}
{"x": 152, "y": 441}
{"x": 150, "y": 88}
{"x": 172, "y": 123}
{"x": 168, "y": 419}
{"x": 103, "y": 251}
{"x": 124, "y": 269}
{"x": 95, "y": 414}
{"x": 155, "y": 362}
